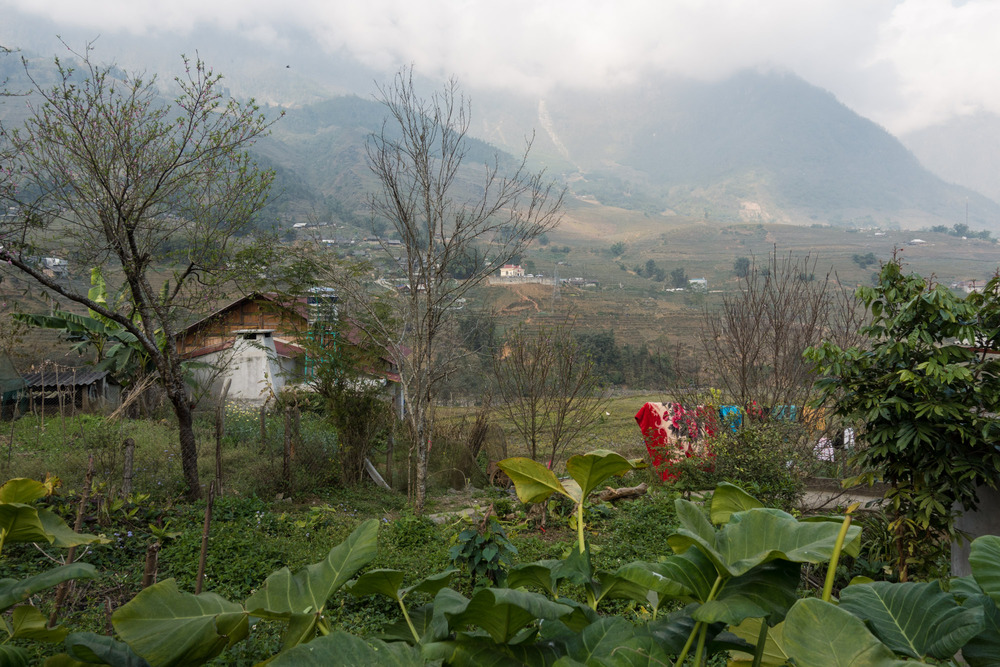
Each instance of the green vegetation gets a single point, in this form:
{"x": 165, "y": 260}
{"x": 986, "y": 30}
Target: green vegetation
{"x": 928, "y": 396}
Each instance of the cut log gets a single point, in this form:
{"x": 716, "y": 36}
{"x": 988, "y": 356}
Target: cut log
{"x": 624, "y": 493}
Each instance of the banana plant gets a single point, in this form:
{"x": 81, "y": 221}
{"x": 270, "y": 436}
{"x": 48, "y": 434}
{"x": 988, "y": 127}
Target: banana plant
{"x": 22, "y": 521}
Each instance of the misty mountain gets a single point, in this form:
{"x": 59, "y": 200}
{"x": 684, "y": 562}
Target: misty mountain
{"x": 964, "y": 150}
{"x": 758, "y": 146}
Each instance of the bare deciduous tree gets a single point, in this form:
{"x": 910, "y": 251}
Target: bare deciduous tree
{"x": 152, "y": 192}
{"x": 443, "y": 212}
{"x": 547, "y": 389}
{"x": 755, "y": 342}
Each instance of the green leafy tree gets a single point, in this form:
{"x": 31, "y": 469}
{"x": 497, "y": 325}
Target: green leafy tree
{"x": 927, "y": 393}
{"x": 741, "y": 267}
{"x": 160, "y": 192}
{"x": 678, "y": 278}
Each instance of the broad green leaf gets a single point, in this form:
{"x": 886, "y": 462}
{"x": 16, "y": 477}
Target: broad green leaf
{"x": 819, "y": 634}
{"x": 306, "y": 592}
{"x": 672, "y": 631}
{"x": 14, "y": 656}
{"x": 340, "y": 648}
{"x": 620, "y": 588}
{"x": 14, "y": 591}
{"x": 503, "y": 612}
{"x": 729, "y": 499}
{"x": 983, "y": 650}
{"x": 775, "y": 654}
{"x": 984, "y": 559}
{"x": 476, "y": 652}
{"x": 640, "y": 651}
{"x": 767, "y": 591}
{"x": 87, "y": 648}
{"x": 575, "y": 568}
{"x": 399, "y": 631}
{"x": 590, "y": 470}
{"x": 693, "y": 519}
{"x": 759, "y": 536}
{"x": 167, "y": 627}
{"x": 432, "y": 584}
{"x": 539, "y": 574}
{"x": 28, "y": 623}
{"x": 23, "y": 491}
{"x": 649, "y": 576}
{"x": 378, "y": 582}
{"x": 20, "y": 523}
{"x": 447, "y": 603}
{"x": 598, "y": 640}
{"x": 62, "y": 535}
{"x": 533, "y": 481}
{"x": 913, "y": 619}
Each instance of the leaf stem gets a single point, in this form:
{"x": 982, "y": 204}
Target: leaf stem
{"x": 699, "y": 653}
{"x": 687, "y": 645}
{"x": 758, "y": 654}
{"x": 579, "y": 525}
{"x": 831, "y": 571}
{"x": 416, "y": 637}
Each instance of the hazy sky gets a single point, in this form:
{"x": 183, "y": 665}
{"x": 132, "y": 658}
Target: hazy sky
{"x": 905, "y": 64}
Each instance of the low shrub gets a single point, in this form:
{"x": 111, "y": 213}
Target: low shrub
{"x": 768, "y": 459}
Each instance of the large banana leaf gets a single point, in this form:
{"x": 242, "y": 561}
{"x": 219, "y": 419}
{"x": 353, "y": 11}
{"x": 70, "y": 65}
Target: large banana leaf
{"x": 340, "y": 648}
{"x": 167, "y": 627}
{"x": 757, "y": 536}
{"x": 301, "y": 597}
{"x": 820, "y": 634}
{"x": 984, "y": 559}
{"x": 913, "y": 619}
{"x": 14, "y": 591}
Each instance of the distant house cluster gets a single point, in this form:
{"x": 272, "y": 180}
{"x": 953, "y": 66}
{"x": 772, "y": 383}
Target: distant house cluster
{"x": 514, "y": 274}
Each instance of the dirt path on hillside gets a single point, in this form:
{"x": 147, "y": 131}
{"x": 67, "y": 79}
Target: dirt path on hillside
{"x": 524, "y": 297}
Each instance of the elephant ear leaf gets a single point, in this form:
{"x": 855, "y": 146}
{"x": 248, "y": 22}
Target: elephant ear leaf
{"x": 729, "y": 499}
{"x": 820, "y": 633}
{"x": 590, "y": 470}
{"x": 984, "y": 559}
{"x": 169, "y": 628}
{"x": 301, "y": 598}
{"x": 340, "y": 648}
{"x": 913, "y": 619}
{"x": 533, "y": 481}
